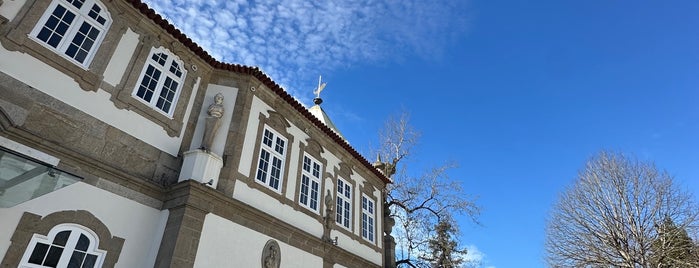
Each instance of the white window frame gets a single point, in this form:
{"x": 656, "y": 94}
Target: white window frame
{"x": 68, "y": 249}
{"x": 309, "y": 192}
{"x": 343, "y": 202}
{"x": 269, "y": 154}
{"x": 81, "y": 15}
{"x": 159, "y": 84}
{"x": 368, "y": 219}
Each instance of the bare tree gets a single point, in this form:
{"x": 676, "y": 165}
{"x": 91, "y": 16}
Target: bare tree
{"x": 610, "y": 216}
{"x": 417, "y": 203}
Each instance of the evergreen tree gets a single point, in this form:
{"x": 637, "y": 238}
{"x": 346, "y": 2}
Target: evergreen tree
{"x": 445, "y": 252}
{"x": 673, "y": 248}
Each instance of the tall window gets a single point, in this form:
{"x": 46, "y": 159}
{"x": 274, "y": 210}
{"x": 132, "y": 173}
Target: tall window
{"x": 310, "y": 183}
{"x": 73, "y": 28}
{"x": 344, "y": 201}
{"x": 270, "y": 166}
{"x": 160, "y": 81}
{"x": 368, "y": 218}
{"x": 66, "y": 246}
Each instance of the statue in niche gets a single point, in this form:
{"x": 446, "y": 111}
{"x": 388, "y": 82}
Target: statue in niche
{"x": 271, "y": 255}
{"x": 328, "y": 216}
{"x": 213, "y": 122}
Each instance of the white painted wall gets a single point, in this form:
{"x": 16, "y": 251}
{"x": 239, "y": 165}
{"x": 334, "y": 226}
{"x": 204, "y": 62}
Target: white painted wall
{"x": 256, "y": 107}
{"x": 9, "y": 8}
{"x": 98, "y": 104}
{"x": 271, "y": 206}
{"x": 122, "y": 55}
{"x": 141, "y": 226}
{"x": 226, "y": 244}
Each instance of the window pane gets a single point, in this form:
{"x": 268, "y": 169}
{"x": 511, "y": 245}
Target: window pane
{"x": 267, "y": 139}
{"x": 280, "y": 146}
{"x": 306, "y": 164}
{"x": 39, "y": 253}
{"x": 76, "y": 259}
{"x": 61, "y": 238}
{"x": 262, "y": 166}
{"x": 304, "y": 190}
{"x": 90, "y": 261}
{"x": 53, "y": 257}
{"x": 83, "y": 243}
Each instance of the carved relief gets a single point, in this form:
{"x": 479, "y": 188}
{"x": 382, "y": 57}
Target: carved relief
{"x": 271, "y": 255}
{"x": 277, "y": 121}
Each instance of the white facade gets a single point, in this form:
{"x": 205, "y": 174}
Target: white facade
{"x": 143, "y": 186}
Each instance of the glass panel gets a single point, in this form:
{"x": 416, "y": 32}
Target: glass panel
{"x": 262, "y": 166}
{"x": 61, "y": 238}
{"x": 314, "y": 195}
{"x": 39, "y": 253}
{"x": 22, "y": 179}
{"x": 275, "y": 173}
{"x": 90, "y": 261}
{"x": 53, "y": 257}
{"x": 306, "y": 164}
{"x": 77, "y": 3}
{"x": 76, "y": 259}
{"x": 304, "y": 190}
{"x": 267, "y": 139}
{"x": 316, "y": 170}
{"x": 280, "y": 146}
{"x": 83, "y": 243}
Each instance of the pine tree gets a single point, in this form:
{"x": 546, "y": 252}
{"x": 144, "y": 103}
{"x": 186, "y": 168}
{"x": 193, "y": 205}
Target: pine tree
{"x": 673, "y": 247}
{"x": 445, "y": 252}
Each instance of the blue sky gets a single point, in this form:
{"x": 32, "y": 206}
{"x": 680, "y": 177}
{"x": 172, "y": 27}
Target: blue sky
{"x": 519, "y": 93}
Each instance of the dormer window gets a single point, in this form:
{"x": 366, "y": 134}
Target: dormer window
{"x": 161, "y": 81}
{"x": 73, "y": 28}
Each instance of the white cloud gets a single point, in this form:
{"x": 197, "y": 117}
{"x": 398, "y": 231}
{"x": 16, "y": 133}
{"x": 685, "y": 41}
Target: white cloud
{"x": 296, "y": 40}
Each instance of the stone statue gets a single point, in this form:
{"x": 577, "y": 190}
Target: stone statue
{"x": 328, "y": 224}
{"x": 213, "y": 122}
{"x": 270, "y": 255}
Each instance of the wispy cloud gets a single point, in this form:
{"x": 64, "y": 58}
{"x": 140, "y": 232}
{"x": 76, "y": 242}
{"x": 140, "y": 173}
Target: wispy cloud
{"x": 295, "y": 40}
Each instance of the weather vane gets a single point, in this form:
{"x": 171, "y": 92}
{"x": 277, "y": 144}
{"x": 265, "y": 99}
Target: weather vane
{"x": 320, "y": 88}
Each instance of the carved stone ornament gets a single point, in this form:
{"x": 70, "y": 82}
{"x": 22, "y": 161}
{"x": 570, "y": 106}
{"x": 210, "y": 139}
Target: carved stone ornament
{"x": 271, "y": 255}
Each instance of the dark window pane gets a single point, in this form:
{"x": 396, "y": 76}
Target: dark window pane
{"x": 61, "y": 238}
{"x": 83, "y": 243}
{"x": 59, "y": 11}
{"x": 51, "y": 22}
{"x": 38, "y": 254}
{"x": 68, "y": 18}
{"x": 76, "y": 259}
{"x": 90, "y": 261}
{"x": 44, "y": 34}
{"x": 101, "y": 20}
{"x": 62, "y": 28}
{"x": 88, "y": 44}
{"x": 82, "y": 54}
{"x": 93, "y": 33}
{"x": 53, "y": 257}
{"x": 85, "y": 28}
{"x": 72, "y": 50}
{"x": 54, "y": 40}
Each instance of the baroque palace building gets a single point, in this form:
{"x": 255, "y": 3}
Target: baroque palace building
{"x": 124, "y": 144}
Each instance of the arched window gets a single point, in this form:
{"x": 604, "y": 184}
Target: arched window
{"x": 67, "y": 245}
{"x": 161, "y": 80}
{"x": 73, "y": 28}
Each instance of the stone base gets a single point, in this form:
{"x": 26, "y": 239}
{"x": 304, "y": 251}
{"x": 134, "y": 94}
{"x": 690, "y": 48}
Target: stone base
{"x": 201, "y": 166}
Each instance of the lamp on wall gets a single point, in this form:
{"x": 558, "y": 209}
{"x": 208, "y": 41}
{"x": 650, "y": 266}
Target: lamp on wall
{"x": 334, "y": 241}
